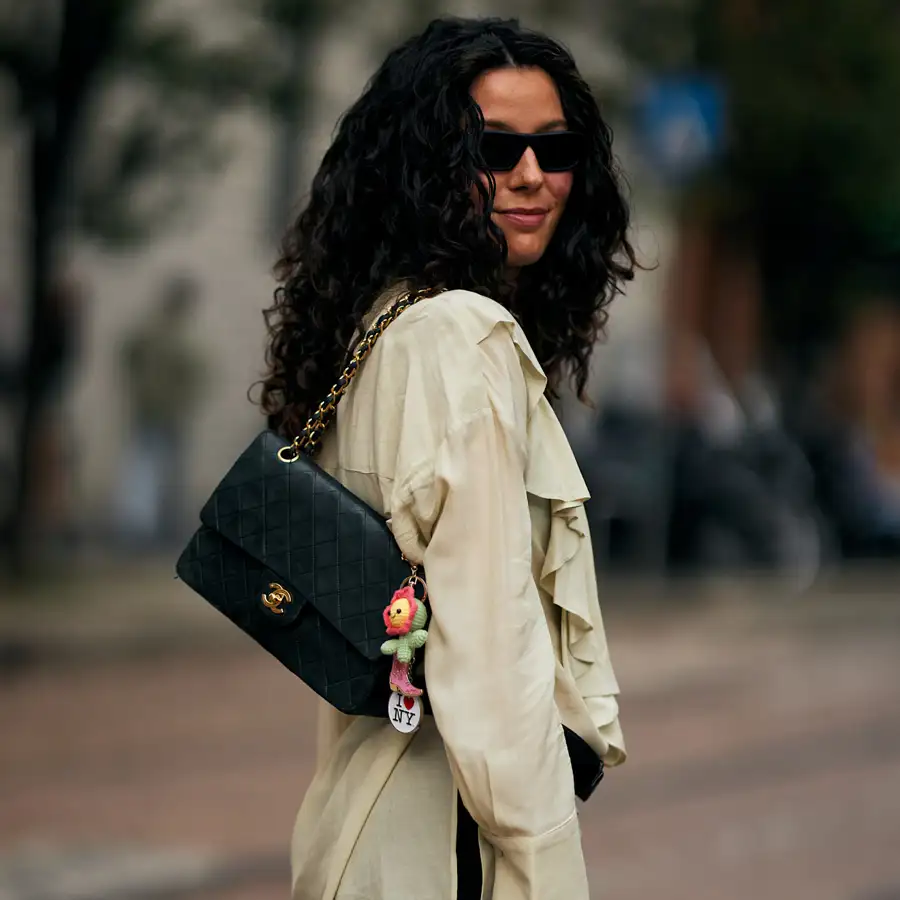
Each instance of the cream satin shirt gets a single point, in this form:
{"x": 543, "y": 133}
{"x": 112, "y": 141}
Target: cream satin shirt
{"x": 447, "y": 431}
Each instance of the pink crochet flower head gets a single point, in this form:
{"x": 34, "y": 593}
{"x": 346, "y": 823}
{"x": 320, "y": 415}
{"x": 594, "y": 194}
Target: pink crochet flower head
{"x": 398, "y": 617}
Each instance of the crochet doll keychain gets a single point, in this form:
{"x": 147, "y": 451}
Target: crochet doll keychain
{"x": 404, "y": 619}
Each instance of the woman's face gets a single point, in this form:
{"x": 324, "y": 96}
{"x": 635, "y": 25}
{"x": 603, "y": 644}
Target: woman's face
{"x": 529, "y": 202}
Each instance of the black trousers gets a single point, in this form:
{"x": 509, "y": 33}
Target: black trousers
{"x": 468, "y": 856}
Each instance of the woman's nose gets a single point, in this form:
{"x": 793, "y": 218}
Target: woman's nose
{"x": 527, "y": 172}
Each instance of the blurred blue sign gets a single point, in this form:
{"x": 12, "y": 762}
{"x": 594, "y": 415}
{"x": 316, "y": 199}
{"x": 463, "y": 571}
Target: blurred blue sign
{"x": 681, "y": 124}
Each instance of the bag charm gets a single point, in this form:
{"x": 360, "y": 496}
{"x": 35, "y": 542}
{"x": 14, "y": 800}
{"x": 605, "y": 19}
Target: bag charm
{"x": 404, "y": 619}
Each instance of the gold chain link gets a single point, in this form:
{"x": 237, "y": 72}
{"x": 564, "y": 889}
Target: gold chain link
{"x": 308, "y": 440}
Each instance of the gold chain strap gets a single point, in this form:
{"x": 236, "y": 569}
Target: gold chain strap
{"x": 308, "y": 440}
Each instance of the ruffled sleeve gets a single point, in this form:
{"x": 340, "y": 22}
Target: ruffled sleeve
{"x": 568, "y": 575}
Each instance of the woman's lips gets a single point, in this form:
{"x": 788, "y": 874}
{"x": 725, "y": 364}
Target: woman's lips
{"x": 527, "y": 220}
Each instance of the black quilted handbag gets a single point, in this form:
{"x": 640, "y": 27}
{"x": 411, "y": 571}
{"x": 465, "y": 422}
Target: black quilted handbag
{"x": 300, "y": 563}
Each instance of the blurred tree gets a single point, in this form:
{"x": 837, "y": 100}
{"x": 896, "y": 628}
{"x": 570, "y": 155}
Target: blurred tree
{"x": 294, "y": 28}
{"x": 812, "y": 173}
{"x": 112, "y": 99}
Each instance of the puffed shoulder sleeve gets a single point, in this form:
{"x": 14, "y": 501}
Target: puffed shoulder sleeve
{"x": 490, "y": 665}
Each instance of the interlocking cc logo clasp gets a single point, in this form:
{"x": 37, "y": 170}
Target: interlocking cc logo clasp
{"x": 276, "y": 596}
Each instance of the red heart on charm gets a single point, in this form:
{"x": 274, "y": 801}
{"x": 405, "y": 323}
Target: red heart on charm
{"x": 408, "y": 702}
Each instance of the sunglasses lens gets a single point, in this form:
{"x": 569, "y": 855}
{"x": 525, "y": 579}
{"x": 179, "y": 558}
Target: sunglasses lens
{"x": 501, "y": 151}
{"x": 556, "y": 151}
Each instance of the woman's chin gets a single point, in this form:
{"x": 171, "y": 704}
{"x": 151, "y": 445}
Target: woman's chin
{"x": 525, "y": 253}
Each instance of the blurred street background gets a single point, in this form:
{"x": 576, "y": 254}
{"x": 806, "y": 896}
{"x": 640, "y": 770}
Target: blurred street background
{"x": 742, "y": 450}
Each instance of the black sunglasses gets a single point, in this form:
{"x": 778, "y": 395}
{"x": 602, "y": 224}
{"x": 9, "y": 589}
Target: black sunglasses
{"x": 556, "y": 151}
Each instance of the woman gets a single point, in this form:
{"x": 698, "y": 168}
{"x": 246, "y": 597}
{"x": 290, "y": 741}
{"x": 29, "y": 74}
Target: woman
{"x": 430, "y": 185}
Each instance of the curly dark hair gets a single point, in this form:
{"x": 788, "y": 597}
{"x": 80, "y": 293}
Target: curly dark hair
{"x": 392, "y": 201}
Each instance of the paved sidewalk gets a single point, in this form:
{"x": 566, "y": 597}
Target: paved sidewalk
{"x": 151, "y": 751}
{"x": 110, "y": 612}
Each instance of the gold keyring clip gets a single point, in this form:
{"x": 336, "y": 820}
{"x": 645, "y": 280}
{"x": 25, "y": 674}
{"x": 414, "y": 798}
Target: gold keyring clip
{"x": 412, "y": 581}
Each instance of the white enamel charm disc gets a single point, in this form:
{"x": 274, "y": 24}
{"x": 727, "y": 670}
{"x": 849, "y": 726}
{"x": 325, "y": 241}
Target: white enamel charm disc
{"x": 404, "y": 713}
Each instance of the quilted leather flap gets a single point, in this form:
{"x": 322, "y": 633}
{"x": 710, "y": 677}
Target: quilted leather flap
{"x": 323, "y": 541}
